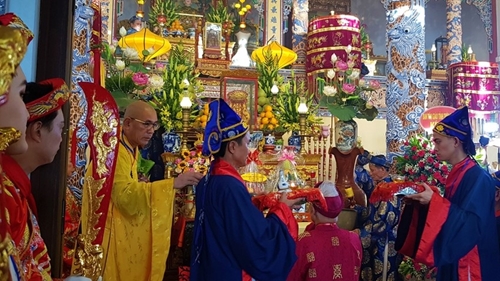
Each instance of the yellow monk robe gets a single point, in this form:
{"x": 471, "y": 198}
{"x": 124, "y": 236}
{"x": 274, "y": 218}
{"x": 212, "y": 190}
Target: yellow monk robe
{"x": 139, "y": 223}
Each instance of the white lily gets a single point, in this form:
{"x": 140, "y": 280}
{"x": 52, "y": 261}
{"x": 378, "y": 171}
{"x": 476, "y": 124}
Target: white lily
{"x": 130, "y": 53}
{"x": 349, "y": 49}
{"x": 334, "y": 58}
{"x": 355, "y": 74}
{"x": 120, "y": 65}
{"x": 329, "y": 91}
{"x": 123, "y": 31}
{"x": 330, "y": 74}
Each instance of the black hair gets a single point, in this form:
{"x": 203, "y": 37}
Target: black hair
{"x": 35, "y": 91}
{"x": 223, "y": 146}
{"x": 381, "y": 157}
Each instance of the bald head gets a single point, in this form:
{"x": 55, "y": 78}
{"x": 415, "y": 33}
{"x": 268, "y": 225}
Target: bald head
{"x": 138, "y": 123}
{"x": 137, "y": 108}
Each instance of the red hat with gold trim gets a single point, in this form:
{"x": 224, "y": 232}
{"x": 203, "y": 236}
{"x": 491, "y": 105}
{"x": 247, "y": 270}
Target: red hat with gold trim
{"x": 11, "y": 20}
{"x": 51, "y": 102}
{"x": 13, "y": 47}
{"x": 14, "y": 39}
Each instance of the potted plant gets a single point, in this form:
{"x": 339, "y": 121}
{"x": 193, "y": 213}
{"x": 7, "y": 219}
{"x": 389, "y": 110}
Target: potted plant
{"x": 347, "y": 97}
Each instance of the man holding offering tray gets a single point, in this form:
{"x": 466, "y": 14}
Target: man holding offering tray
{"x": 457, "y": 232}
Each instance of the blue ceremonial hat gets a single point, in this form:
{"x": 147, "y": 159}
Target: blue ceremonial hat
{"x": 456, "y": 125}
{"x": 484, "y": 141}
{"x": 134, "y": 18}
{"x": 496, "y": 179}
{"x": 380, "y": 160}
{"x": 223, "y": 124}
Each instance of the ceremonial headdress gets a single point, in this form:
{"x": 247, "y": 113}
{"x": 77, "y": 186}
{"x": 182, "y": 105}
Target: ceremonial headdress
{"x": 50, "y": 102}
{"x": 14, "y": 39}
{"x": 333, "y": 198}
{"x": 457, "y": 125}
{"x": 11, "y": 20}
{"x": 12, "y": 50}
{"x": 380, "y": 160}
{"x": 223, "y": 125}
{"x": 496, "y": 178}
{"x": 484, "y": 141}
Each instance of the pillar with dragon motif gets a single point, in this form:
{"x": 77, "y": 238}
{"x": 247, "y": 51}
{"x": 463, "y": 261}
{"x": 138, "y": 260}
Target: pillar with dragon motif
{"x": 454, "y": 30}
{"x": 405, "y": 70}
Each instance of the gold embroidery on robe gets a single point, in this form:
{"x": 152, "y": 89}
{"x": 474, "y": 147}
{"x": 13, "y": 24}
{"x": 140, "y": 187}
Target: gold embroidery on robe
{"x": 337, "y": 271}
{"x": 312, "y": 273}
{"x": 335, "y": 241}
{"x": 310, "y": 257}
{"x": 303, "y": 235}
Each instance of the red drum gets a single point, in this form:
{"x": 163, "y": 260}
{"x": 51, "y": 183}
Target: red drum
{"x": 476, "y": 85}
{"x": 331, "y": 35}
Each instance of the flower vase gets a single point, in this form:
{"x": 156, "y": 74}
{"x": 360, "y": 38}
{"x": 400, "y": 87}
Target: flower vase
{"x": 242, "y": 58}
{"x": 171, "y": 142}
{"x": 346, "y": 153}
{"x": 294, "y": 140}
{"x": 346, "y": 135}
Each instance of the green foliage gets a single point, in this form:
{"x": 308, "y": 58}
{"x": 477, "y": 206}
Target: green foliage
{"x": 347, "y": 105}
{"x": 167, "y": 102}
{"x": 287, "y": 103}
{"x": 169, "y": 8}
{"x": 268, "y": 76}
{"x": 219, "y": 14}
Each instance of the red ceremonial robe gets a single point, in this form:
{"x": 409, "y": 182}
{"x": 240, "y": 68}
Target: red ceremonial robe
{"x": 34, "y": 261}
{"x": 327, "y": 252}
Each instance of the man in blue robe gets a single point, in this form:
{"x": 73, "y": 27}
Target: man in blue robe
{"x": 233, "y": 240}
{"x": 456, "y": 233}
{"x": 496, "y": 177}
{"x": 378, "y": 234}
{"x": 365, "y": 182}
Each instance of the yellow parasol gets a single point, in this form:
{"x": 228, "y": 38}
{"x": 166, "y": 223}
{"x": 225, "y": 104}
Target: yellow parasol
{"x": 283, "y": 55}
{"x": 147, "y": 44}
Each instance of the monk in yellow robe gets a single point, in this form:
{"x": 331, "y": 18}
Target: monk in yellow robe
{"x": 139, "y": 222}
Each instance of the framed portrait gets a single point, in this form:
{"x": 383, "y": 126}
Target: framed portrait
{"x": 213, "y": 36}
{"x": 240, "y": 91}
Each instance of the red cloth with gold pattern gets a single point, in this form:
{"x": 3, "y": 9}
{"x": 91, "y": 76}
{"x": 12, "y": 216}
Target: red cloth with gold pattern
{"x": 326, "y": 252}
{"x": 34, "y": 261}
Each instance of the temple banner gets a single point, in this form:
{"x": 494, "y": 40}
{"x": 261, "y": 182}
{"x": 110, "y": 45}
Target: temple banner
{"x": 433, "y": 115}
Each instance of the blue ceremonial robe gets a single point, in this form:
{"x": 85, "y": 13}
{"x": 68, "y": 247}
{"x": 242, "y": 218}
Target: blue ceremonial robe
{"x": 233, "y": 236}
{"x": 379, "y": 230}
{"x": 456, "y": 233}
{"x": 365, "y": 182}
{"x": 497, "y": 215}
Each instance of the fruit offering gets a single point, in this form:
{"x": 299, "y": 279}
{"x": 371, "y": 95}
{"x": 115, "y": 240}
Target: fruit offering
{"x": 267, "y": 119}
{"x": 176, "y": 26}
{"x": 201, "y": 121}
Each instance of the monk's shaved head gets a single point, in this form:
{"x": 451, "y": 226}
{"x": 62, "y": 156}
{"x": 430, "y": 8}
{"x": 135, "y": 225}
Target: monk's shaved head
{"x": 137, "y": 124}
{"x": 138, "y": 109}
